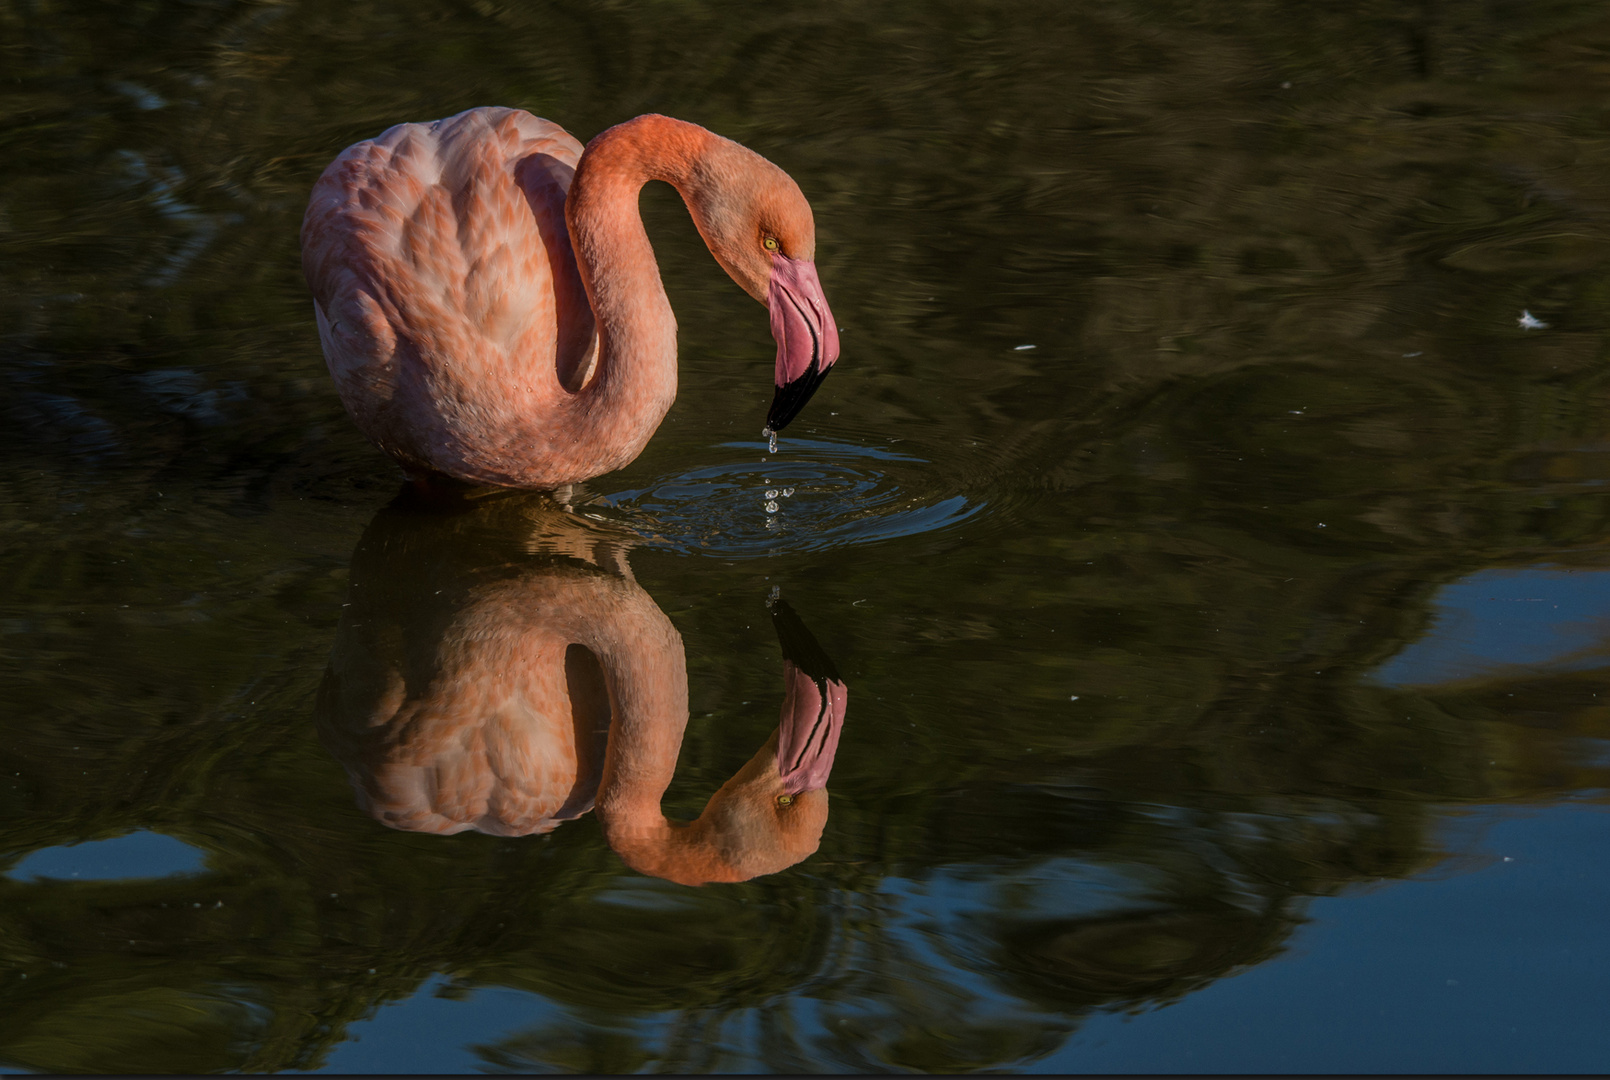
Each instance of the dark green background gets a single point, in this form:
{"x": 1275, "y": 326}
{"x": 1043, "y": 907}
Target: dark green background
{"x": 1271, "y": 256}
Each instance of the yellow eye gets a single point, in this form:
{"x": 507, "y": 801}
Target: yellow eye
{"x": 784, "y": 800}
{"x": 770, "y": 243}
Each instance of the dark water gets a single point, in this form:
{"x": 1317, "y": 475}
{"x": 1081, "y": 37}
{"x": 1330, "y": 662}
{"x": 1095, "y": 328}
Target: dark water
{"x": 1229, "y": 672}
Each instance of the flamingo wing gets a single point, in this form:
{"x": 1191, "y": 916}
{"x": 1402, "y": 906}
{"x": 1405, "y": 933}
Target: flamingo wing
{"x": 448, "y": 301}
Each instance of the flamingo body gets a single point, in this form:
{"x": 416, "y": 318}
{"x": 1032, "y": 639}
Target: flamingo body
{"x": 490, "y": 307}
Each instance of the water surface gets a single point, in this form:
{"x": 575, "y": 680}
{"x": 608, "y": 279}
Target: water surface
{"x": 1207, "y": 661}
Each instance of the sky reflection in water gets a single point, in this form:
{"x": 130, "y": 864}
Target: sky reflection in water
{"x": 1538, "y": 617}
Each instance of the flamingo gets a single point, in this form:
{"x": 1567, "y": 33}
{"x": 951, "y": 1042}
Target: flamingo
{"x": 489, "y": 304}
{"x": 472, "y": 687}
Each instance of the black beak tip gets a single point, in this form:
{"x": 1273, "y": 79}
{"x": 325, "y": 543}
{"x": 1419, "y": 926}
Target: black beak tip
{"x": 789, "y": 400}
{"x": 799, "y": 645}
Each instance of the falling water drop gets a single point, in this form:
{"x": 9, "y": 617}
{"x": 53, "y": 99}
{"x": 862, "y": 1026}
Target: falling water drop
{"x": 787, "y": 492}
{"x": 771, "y": 493}
{"x": 771, "y": 444}
{"x": 771, "y": 508}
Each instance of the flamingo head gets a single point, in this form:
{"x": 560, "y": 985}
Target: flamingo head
{"x": 760, "y": 229}
{"x": 770, "y": 815}
{"x": 758, "y": 823}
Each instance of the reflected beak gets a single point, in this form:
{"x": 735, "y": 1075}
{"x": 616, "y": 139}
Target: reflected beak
{"x": 814, "y": 700}
{"x": 808, "y": 737}
{"x": 807, "y": 337}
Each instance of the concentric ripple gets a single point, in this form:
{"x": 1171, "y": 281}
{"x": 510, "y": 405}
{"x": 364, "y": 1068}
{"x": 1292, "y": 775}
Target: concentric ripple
{"x": 810, "y": 495}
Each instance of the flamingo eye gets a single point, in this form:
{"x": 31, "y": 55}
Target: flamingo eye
{"x": 784, "y": 800}
{"x": 769, "y": 243}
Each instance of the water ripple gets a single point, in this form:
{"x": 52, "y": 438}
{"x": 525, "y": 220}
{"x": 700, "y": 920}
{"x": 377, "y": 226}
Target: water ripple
{"x": 810, "y": 495}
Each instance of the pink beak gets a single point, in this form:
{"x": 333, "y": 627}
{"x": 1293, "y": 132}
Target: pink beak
{"x": 814, "y": 700}
{"x": 808, "y": 738}
{"x": 807, "y": 337}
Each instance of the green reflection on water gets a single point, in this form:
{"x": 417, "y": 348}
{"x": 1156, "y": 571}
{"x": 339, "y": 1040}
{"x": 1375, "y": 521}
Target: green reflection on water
{"x": 1278, "y": 397}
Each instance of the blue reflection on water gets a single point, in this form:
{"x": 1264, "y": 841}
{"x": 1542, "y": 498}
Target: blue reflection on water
{"x": 430, "y": 1032}
{"x": 1465, "y": 973}
{"x": 1534, "y": 617}
{"x": 141, "y": 854}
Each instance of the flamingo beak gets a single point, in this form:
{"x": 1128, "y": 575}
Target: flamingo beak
{"x": 814, "y": 701}
{"x": 807, "y": 337}
{"x": 808, "y": 738}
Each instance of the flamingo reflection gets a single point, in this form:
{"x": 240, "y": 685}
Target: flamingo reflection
{"x": 498, "y": 669}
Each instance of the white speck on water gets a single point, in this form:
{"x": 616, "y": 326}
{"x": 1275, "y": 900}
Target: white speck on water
{"x": 1529, "y": 321}
{"x": 1024, "y": 348}
{"x": 1321, "y": 525}
{"x": 1412, "y": 355}
{"x": 771, "y": 507}
{"x": 1074, "y": 698}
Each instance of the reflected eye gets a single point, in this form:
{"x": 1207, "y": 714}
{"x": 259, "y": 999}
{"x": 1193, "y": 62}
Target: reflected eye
{"x": 784, "y": 800}
{"x": 770, "y": 243}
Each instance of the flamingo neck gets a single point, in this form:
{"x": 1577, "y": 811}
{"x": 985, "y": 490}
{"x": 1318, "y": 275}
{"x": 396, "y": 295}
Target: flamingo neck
{"x": 635, "y": 380}
{"x": 638, "y": 767}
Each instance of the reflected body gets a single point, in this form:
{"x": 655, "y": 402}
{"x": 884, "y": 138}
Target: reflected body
{"x": 467, "y": 692}
{"x": 490, "y": 306}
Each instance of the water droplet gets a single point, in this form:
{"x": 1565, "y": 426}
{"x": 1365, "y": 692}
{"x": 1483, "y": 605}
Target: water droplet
{"x": 771, "y": 444}
{"x": 787, "y": 492}
{"x": 771, "y": 493}
{"x": 771, "y": 508}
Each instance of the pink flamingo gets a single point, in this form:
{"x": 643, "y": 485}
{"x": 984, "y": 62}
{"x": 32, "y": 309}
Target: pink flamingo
{"x": 468, "y": 690}
{"x": 489, "y": 304}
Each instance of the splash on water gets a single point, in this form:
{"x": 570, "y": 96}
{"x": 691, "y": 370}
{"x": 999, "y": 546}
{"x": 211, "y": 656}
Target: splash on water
{"x": 838, "y": 494}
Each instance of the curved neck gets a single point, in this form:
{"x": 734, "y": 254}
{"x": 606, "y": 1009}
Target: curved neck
{"x": 645, "y": 672}
{"x": 649, "y": 718}
{"x": 635, "y": 381}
